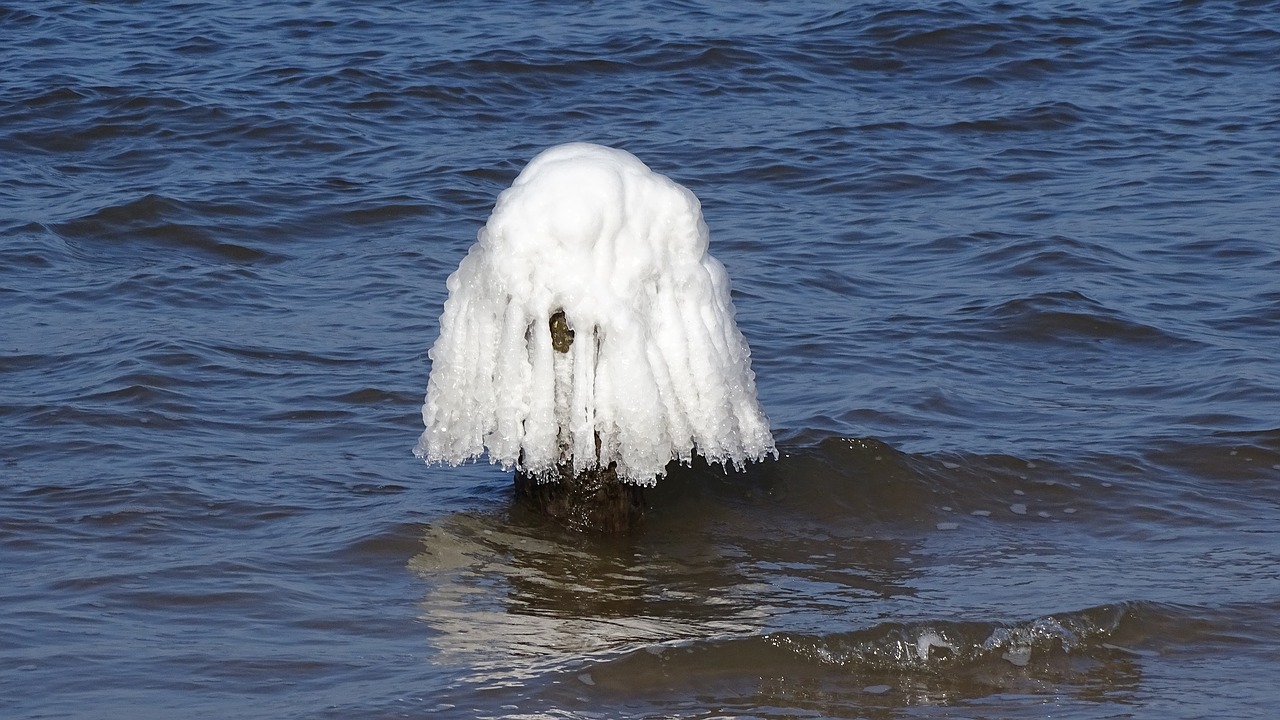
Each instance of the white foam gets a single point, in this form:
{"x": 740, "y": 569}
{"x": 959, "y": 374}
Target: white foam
{"x": 928, "y": 640}
{"x": 657, "y": 370}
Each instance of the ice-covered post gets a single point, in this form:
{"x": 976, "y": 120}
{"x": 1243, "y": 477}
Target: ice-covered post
{"x": 589, "y": 340}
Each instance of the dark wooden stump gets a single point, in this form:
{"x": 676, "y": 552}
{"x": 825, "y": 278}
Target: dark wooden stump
{"x": 592, "y": 501}
{"x": 595, "y": 501}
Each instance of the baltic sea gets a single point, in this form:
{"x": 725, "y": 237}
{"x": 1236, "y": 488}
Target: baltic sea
{"x": 1010, "y": 273}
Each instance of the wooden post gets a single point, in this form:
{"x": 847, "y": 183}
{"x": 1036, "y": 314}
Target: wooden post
{"x": 592, "y": 501}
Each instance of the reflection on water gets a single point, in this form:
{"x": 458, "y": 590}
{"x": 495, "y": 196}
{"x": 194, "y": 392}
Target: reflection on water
{"x": 514, "y": 590}
{"x": 523, "y": 598}
{"x": 757, "y": 584}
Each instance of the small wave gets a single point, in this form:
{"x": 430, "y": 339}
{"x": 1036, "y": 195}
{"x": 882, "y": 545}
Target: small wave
{"x": 1244, "y": 463}
{"x": 973, "y": 37}
{"x": 1040, "y": 118}
{"x": 364, "y": 214}
{"x": 158, "y": 220}
{"x": 948, "y": 646}
{"x": 867, "y": 482}
{"x": 1071, "y": 316}
{"x": 976, "y": 657}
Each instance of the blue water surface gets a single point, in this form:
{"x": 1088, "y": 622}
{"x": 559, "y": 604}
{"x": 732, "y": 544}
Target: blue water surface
{"x": 1009, "y": 271}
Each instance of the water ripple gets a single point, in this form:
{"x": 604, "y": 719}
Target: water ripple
{"x": 1008, "y": 274}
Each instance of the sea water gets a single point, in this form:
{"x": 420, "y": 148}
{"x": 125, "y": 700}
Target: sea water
{"x": 1008, "y": 272}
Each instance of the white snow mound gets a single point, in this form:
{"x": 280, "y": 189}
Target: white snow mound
{"x": 657, "y": 370}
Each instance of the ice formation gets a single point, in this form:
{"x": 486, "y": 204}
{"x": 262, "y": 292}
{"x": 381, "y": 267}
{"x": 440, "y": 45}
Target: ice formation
{"x": 657, "y": 369}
